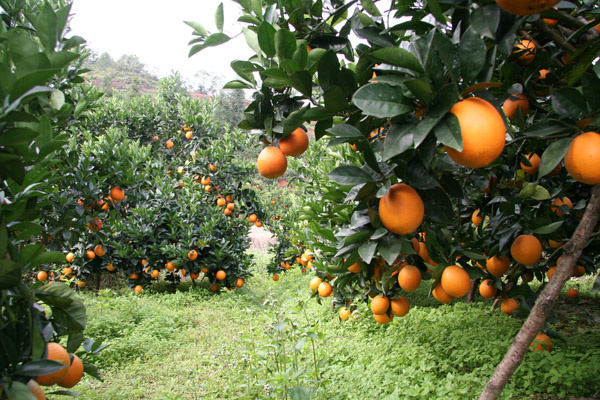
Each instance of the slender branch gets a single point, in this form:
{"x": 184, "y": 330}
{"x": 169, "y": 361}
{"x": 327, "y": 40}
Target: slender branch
{"x": 515, "y": 140}
{"x": 558, "y": 39}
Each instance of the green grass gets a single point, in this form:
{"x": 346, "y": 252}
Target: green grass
{"x": 248, "y": 343}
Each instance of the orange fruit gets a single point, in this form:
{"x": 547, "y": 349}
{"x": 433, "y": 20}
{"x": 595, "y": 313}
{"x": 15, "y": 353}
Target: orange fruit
{"x": 110, "y": 267}
{"x": 81, "y": 283}
{"x": 440, "y": 294}
{"x": 384, "y": 318}
{"x": 170, "y": 266}
{"x": 90, "y": 254}
{"x": 221, "y": 202}
{"x": 67, "y": 271}
{"x": 70, "y": 257}
{"x": 551, "y": 272}
{"x": 42, "y": 276}
{"x": 214, "y": 288}
{"x": 498, "y": 266}
{"x": 558, "y": 202}
{"x": 527, "y": 50}
{"x": 95, "y": 225}
{"x": 325, "y": 289}
{"x": 583, "y": 157}
{"x": 356, "y": 267}
{"x": 509, "y": 305}
{"x": 74, "y": 373}
{"x": 117, "y": 194}
{"x": 400, "y": 306}
{"x": 344, "y": 313}
{"x": 194, "y": 275}
{"x": 314, "y": 283}
{"x": 205, "y": 180}
{"x": 212, "y": 167}
{"x": 208, "y": 188}
{"x": 295, "y": 143}
{"x": 526, "y": 249}
{"x": 227, "y": 211}
{"x": 541, "y": 342}
{"x": 230, "y": 206}
{"x": 192, "y": 254}
{"x": 169, "y": 144}
{"x": 35, "y": 389}
{"x": 271, "y": 162}
{"x": 401, "y": 209}
{"x": 252, "y": 218}
{"x": 455, "y": 281}
{"x": 221, "y": 274}
{"x": 579, "y": 270}
{"x": 99, "y": 250}
{"x": 535, "y": 161}
{"x": 56, "y": 353}
{"x": 380, "y": 304}
{"x": 239, "y": 282}
{"x": 510, "y": 105}
{"x": 134, "y": 276}
{"x": 526, "y": 7}
{"x": 483, "y": 133}
{"x": 258, "y": 224}
{"x": 487, "y": 289}
{"x": 189, "y": 135}
{"x": 554, "y": 244}
{"x": 275, "y": 277}
{"x": 572, "y": 293}
{"x": 138, "y": 289}
{"x": 409, "y": 278}
{"x": 476, "y": 219}
{"x": 154, "y": 274}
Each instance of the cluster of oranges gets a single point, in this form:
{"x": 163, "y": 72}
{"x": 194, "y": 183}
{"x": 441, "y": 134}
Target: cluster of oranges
{"x": 66, "y": 377}
{"x": 272, "y": 161}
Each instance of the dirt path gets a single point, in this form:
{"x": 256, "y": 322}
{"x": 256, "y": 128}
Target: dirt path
{"x": 261, "y": 238}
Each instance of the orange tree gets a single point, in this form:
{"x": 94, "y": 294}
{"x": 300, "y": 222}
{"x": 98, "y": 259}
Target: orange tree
{"x": 42, "y": 101}
{"x": 462, "y": 113}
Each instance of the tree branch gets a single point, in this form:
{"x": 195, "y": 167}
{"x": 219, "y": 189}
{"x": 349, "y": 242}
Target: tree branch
{"x": 545, "y": 302}
{"x": 558, "y": 39}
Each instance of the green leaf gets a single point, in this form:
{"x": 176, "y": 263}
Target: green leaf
{"x": 590, "y": 84}
{"x": 219, "y": 18}
{"x": 46, "y": 25}
{"x": 370, "y": 7}
{"x": 36, "y": 368}
{"x": 448, "y": 53}
{"x": 546, "y": 229}
{"x": 349, "y": 175}
{"x": 448, "y": 132}
{"x": 245, "y": 70}
{"x": 399, "y": 139}
{"x": 75, "y": 340}
{"x": 540, "y": 193}
{"x": 434, "y": 7}
{"x": 10, "y": 274}
{"x": 438, "y": 207}
{"x": 17, "y": 390}
{"x": 335, "y": 99}
{"x": 285, "y": 44}
{"x": 198, "y": 28}
{"x": 237, "y": 84}
{"x": 15, "y": 136}
{"x": 420, "y": 89}
{"x": 472, "y": 54}
{"x": 266, "y": 38}
{"x": 317, "y": 114}
{"x": 569, "y": 102}
{"x": 397, "y": 57}
{"x": 346, "y": 131}
{"x": 547, "y": 128}
{"x": 417, "y": 175}
{"x": 390, "y": 247}
{"x": 553, "y": 155}
{"x": 299, "y": 393}
{"x": 367, "y": 251}
{"x": 328, "y": 68}
{"x": 252, "y": 41}
{"x": 215, "y": 39}
{"x": 293, "y": 121}
{"x": 302, "y": 82}
{"x": 67, "y": 309}
{"x": 381, "y": 100}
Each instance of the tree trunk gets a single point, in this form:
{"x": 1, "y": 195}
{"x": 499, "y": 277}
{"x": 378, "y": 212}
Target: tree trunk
{"x": 474, "y": 286}
{"x": 545, "y": 302}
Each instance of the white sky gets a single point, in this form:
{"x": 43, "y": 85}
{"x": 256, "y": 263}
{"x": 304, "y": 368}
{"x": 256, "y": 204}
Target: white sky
{"x": 154, "y": 31}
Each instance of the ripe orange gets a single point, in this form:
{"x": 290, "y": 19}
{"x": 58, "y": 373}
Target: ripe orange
{"x": 35, "y": 389}
{"x": 258, "y": 224}
{"x": 583, "y": 157}
{"x": 221, "y": 274}
{"x": 344, "y": 313}
{"x": 526, "y": 7}
{"x": 230, "y": 206}
{"x": 541, "y": 342}
{"x": 205, "y": 180}
{"x": 95, "y": 225}
{"x": 384, "y": 318}
{"x": 483, "y": 133}
{"x": 154, "y": 274}
{"x": 42, "y": 276}
{"x": 551, "y": 272}
{"x": 110, "y": 267}
{"x": 57, "y": 353}
{"x": 535, "y": 161}
{"x": 169, "y": 144}
{"x": 295, "y": 143}
{"x": 487, "y": 289}
{"x": 239, "y": 282}
{"x": 82, "y": 283}
{"x": 155, "y": 139}
{"x": 170, "y": 266}
{"x": 498, "y": 266}
{"x": 99, "y": 250}
{"x": 380, "y": 304}
{"x": 192, "y": 254}
{"x": 70, "y": 257}
{"x": 579, "y": 271}
{"x": 510, "y": 105}
{"x": 325, "y": 289}
{"x": 509, "y": 305}
{"x": 314, "y": 283}
{"x": 134, "y": 276}
{"x": 90, "y": 254}
{"x": 558, "y": 202}
{"x": 476, "y": 219}
{"x": 401, "y": 209}
{"x": 275, "y": 277}
{"x": 356, "y": 267}
{"x": 527, "y": 51}
{"x": 67, "y": 271}
{"x": 400, "y": 306}
{"x": 194, "y": 275}
{"x": 456, "y": 281}
{"x": 271, "y": 162}
{"x": 212, "y": 167}
{"x": 572, "y": 293}
{"x": 440, "y": 294}
{"x": 138, "y": 289}
{"x": 227, "y": 211}
{"x": 214, "y": 288}
{"x": 189, "y": 135}
{"x": 252, "y": 218}
{"x": 554, "y": 244}
{"x": 74, "y": 373}
{"x": 409, "y": 278}
{"x": 117, "y": 194}
{"x": 526, "y": 249}
{"x": 208, "y": 188}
